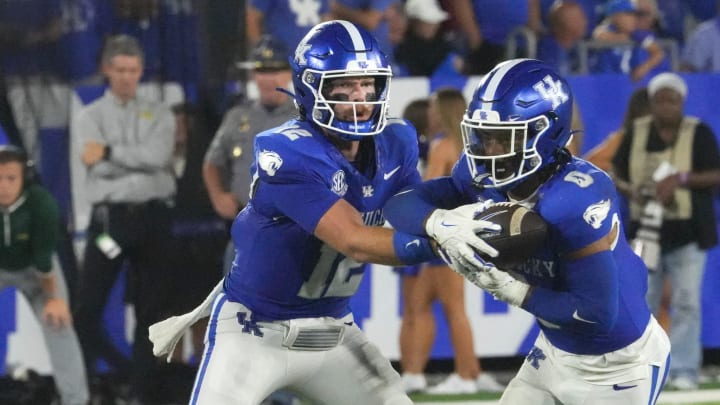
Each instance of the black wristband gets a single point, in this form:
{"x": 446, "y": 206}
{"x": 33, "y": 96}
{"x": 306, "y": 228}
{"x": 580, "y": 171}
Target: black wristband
{"x": 107, "y": 152}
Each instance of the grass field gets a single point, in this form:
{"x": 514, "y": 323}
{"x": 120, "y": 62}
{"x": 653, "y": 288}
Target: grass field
{"x": 709, "y": 394}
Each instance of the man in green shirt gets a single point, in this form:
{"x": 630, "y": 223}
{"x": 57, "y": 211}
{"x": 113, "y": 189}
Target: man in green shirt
{"x": 30, "y": 227}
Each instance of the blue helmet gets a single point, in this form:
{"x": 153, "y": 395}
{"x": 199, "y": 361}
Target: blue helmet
{"x": 517, "y": 122}
{"x": 340, "y": 49}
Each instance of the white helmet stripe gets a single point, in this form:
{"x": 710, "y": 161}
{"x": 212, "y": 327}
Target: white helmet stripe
{"x": 495, "y": 81}
{"x": 356, "y": 38}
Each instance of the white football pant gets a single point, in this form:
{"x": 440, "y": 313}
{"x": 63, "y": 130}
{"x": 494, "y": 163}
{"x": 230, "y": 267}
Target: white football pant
{"x": 633, "y": 375}
{"x": 241, "y": 368}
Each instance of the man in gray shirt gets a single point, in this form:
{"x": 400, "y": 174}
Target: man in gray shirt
{"x": 226, "y": 170}
{"x": 126, "y": 146}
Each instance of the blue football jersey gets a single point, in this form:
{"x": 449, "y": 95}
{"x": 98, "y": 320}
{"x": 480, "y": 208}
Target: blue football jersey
{"x": 281, "y": 270}
{"x": 580, "y": 205}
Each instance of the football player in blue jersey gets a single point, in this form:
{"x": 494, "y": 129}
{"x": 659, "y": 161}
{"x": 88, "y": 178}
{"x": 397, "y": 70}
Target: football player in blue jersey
{"x": 319, "y": 184}
{"x": 599, "y": 343}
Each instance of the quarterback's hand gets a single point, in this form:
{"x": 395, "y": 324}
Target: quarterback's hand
{"x": 456, "y": 232}
{"x": 500, "y": 284}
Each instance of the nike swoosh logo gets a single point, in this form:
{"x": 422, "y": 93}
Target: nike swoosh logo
{"x": 348, "y": 323}
{"x": 415, "y": 242}
{"x": 448, "y": 225}
{"x": 390, "y": 173}
{"x": 617, "y": 387}
{"x": 576, "y": 316}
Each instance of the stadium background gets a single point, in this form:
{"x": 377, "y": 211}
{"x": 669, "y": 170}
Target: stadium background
{"x": 499, "y": 331}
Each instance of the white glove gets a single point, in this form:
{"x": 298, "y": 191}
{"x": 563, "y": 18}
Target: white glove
{"x": 455, "y": 230}
{"x": 500, "y": 284}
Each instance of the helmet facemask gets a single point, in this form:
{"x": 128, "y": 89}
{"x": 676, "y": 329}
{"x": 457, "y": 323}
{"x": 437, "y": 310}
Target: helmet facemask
{"x": 503, "y": 151}
{"x": 355, "y": 127}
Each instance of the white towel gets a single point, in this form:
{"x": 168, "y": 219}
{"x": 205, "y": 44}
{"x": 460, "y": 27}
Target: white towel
{"x": 165, "y": 335}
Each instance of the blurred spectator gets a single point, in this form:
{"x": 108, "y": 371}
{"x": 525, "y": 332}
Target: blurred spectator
{"x": 139, "y": 19}
{"x": 29, "y": 31}
{"x": 668, "y": 166}
{"x": 636, "y": 52}
{"x": 371, "y": 15}
{"x": 567, "y": 25}
{"x": 591, "y": 9}
{"x": 127, "y": 146}
{"x": 286, "y": 20}
{"x": 226, "y": 170}
{"x": 672, "y": 17}
{"x": 413, "y": 379}
{"x": 417, "y": 113}
{"x": 31, "y": 222}
{"x": 436, "y": 281}
{"x": 424, "y": 50}
{"x": 702, "y": 49}
{"x": 638, "y": 106}
{"x": 397, "y": 23}
{"x": 79, "y": 46}
{"x": 180, "y": 45}
{"x": 485, "y": 25}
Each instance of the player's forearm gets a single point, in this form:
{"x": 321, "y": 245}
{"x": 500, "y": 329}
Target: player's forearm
{"x": 590, "y": 302}
{"x": 384, "y": 246}
{"x": 408, "y": 209}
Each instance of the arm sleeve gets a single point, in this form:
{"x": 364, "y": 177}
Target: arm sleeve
{"x": 590, "y": 301}
{"x": 45, "y": 229}
{"x": 408, "y": 209}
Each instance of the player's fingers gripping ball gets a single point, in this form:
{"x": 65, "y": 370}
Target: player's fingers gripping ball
{"x": 522, "y": 232}
{"x": 457, "y": 234}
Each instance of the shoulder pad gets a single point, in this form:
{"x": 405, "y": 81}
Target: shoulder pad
{"x": 286, "y": 153}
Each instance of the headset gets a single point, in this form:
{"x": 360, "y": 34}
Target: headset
{"x": 13, "y": 153}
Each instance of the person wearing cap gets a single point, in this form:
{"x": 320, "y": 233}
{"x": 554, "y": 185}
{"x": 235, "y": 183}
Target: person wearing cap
{"x": 670, "y": 161}
{"x": 226, "y": 168}
{"x": 636, "y": 52}
{"x": 423, "y": 50}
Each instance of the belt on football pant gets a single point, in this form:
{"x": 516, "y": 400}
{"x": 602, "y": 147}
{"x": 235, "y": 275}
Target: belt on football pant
{"x": 310, "y": 334}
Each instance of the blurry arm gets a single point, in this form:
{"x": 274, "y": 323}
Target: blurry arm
{"x": 155, "y": 148}
{"x": 253, "y": 24}
{"x": 602, "y": 33}
{"x": 56, "y": 312}
{"x": 462, "y": 11}
{"x": 656, "y": 55}
{"x": 45, "y": 228}
{"x": 368, "y": 18}
{"x": 441, "y": 157}
{"x": 535, "y": 16}
{"x": 224, "y": 202}
{"x": 602, "y": 154}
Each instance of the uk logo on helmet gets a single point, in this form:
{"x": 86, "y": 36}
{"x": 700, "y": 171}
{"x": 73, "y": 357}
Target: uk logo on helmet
{"x": 552, "y": 90}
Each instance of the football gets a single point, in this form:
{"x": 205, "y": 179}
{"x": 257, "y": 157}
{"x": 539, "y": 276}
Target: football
{"x": 523, "y": 232}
